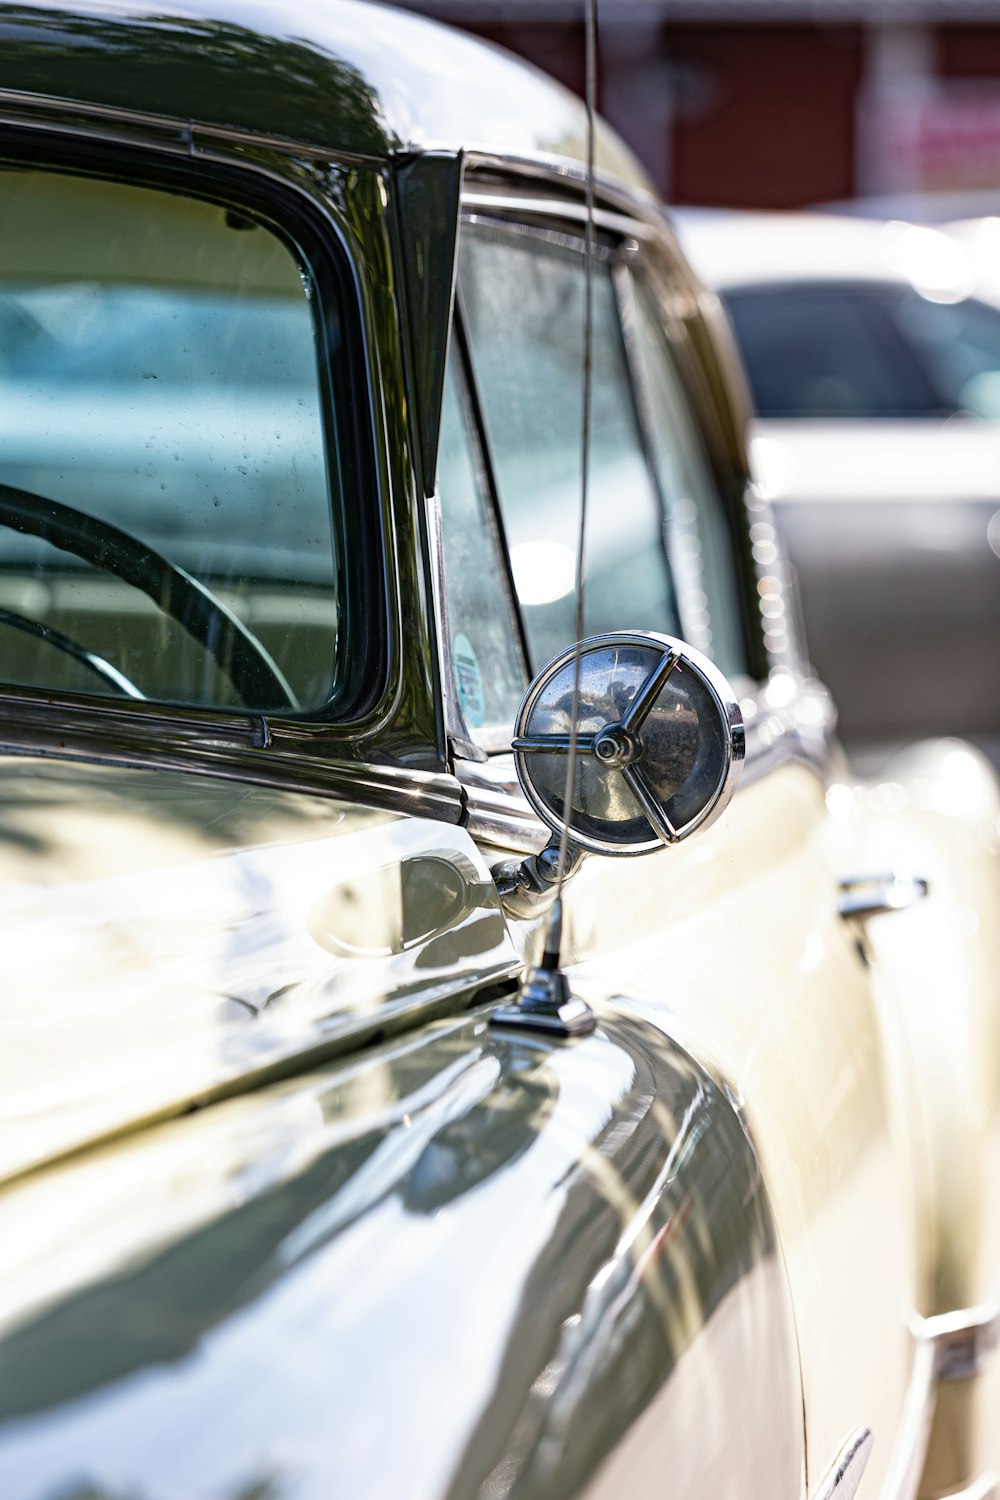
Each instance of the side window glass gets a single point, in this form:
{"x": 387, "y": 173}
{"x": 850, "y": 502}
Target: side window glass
{"x": 166, "y": 519}
{"x": 699, "y": 541}
{"x": 485, "y": 658}
{"x": 524, "y": 297}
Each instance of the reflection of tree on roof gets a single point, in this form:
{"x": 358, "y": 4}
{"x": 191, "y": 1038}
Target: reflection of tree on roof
{"x": 203, "y": 70}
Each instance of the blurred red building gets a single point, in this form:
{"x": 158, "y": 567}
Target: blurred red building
{"x": 778, "y": 103}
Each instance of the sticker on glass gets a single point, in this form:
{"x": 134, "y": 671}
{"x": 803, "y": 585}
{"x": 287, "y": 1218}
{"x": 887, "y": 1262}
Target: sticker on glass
{"x": 469, "y": 681}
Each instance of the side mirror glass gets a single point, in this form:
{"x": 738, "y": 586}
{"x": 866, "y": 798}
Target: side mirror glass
{"x": 660, "y": 743}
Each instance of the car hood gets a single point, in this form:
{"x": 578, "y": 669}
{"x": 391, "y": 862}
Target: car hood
{"x": 170, "y": 938}
{"x": 847, "y": 460}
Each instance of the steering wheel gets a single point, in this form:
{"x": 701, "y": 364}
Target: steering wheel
{"x": 248, "y": 664}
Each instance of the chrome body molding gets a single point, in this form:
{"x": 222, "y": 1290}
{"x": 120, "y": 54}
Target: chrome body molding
{"x": 230, "y": 748}
{"x": 638, "y": 212}
{"x": 519, "y": 205}
{"x": 497, "y": 813}
{"x": 844, "y": 1475}
{"x": 632, "y": 198}
{"x": 106, "y": 122}
{"x": 864, "y": 896}
{"x": 913, "y": 1434}
{"x": 986, "y": 1487}
{"x": 964, "y": 1342}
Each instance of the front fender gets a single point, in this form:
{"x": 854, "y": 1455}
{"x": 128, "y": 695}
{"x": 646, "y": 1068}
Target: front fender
{"x": 471, "y": 1262}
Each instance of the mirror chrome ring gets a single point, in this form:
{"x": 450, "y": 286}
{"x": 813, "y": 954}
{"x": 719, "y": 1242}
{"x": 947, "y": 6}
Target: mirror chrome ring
{"x": 617, "y": 743}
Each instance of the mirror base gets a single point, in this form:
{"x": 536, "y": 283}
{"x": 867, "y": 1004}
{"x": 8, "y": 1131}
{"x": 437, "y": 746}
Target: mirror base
{"x": 571, "y": 1017}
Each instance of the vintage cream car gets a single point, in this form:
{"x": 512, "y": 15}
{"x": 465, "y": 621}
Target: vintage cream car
{"x": 304, "y": 1195}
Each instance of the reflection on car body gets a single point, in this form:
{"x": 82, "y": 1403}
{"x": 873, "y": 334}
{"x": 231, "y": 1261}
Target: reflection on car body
{"x": 298, "y": 1199}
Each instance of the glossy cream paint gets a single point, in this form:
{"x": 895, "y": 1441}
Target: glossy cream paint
{"x": 864, "y": 1062}
{"x": 734, "y": 944}
{"x": 806, "y": 1050}
{"x": 466, "y": 1258}
{"x": 169, "y": 938}
{"x": 459, "y": 1261}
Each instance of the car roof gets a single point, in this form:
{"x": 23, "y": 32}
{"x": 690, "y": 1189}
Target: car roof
{"x": 353, "y": 77}
{"x": 731, "y": 248}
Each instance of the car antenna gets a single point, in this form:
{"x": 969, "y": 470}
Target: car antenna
{"x": 544, "y": 1002}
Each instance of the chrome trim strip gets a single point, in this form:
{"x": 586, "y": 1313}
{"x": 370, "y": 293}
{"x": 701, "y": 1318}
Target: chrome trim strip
{"x": 986, "y": 1487}
{"x": 568, "y": 239}
{"x": 913, "y": 1433}
{"x": 73, "y": 116}
{"x": 48, "y": 112}
{"x": 864, "y": 896}
{"x": 455, "y": 726}
{"x": 423, "y": 794}
{"x": 557, "y": 208}
{"x": 964, "y": 1342}
{"x": 221, "y": 135}
{"x": 496, "y": 810}
{"x": 544, "y": 166}
{"x": 800, "y": 729}
{"x": 844, "y": 1475}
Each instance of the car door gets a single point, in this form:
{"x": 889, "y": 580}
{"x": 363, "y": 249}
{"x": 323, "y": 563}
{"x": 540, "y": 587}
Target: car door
{"x": 733, "y": 945}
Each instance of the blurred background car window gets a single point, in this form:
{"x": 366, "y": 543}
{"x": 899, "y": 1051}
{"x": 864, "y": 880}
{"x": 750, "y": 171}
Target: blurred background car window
{"x": 857, "y": 350}
{"x": 958, "y": 345}
{"x": 821, "y": 351}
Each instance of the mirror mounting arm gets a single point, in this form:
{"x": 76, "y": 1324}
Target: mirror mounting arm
{"x": 526, "y": 885}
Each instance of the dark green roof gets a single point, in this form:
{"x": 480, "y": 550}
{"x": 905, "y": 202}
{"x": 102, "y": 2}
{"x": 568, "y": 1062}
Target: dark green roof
{"x": 345, "y": 75}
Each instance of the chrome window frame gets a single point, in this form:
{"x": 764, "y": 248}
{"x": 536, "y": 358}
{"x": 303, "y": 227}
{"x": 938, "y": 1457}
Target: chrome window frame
{"x": 310, "y": 751}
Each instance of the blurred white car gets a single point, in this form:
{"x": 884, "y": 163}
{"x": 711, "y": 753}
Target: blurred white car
{"x": 873, "y": 357}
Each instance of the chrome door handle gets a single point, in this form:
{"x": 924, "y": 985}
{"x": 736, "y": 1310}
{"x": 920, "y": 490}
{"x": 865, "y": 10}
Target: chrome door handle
{"x": 864, "y": 896}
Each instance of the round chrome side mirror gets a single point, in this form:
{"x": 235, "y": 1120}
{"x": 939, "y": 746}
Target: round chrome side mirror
{"x": 660, "y": 743}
